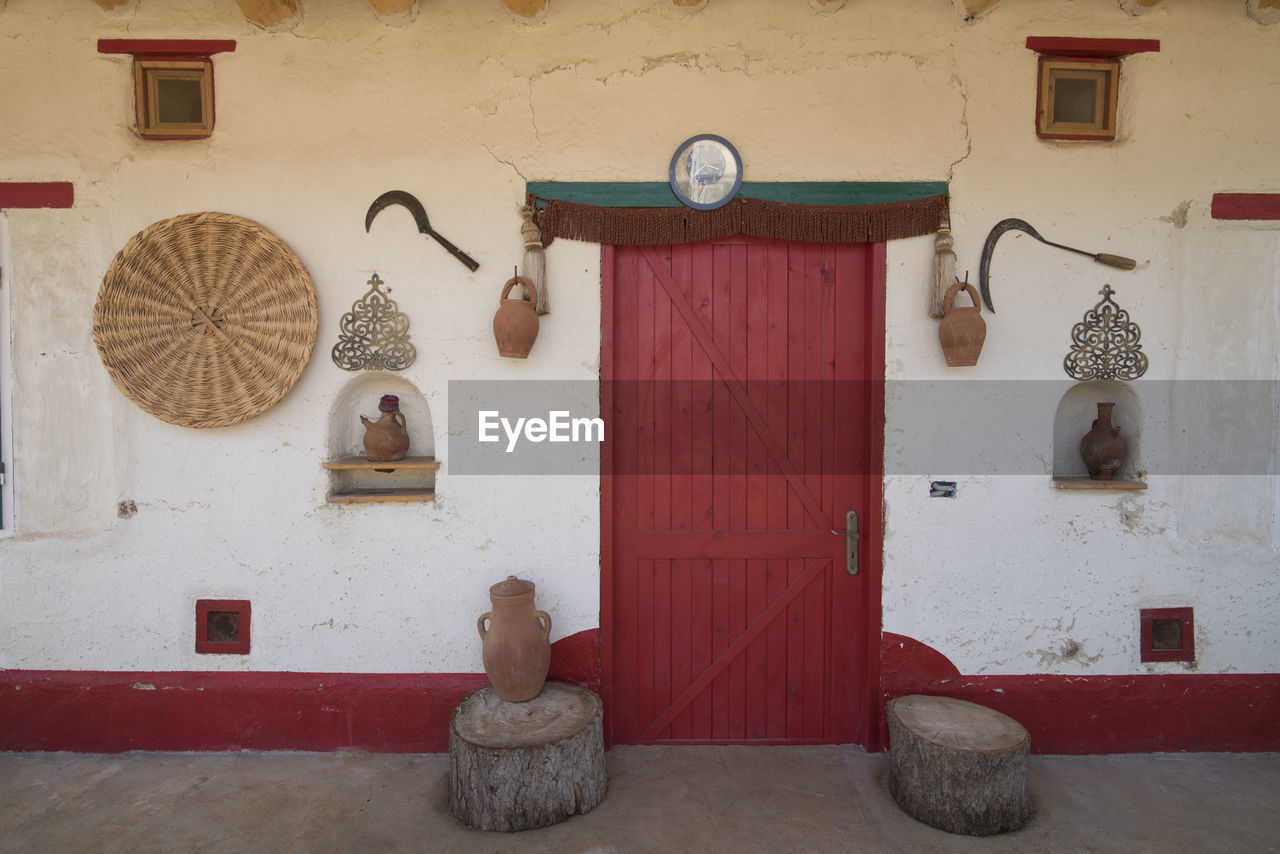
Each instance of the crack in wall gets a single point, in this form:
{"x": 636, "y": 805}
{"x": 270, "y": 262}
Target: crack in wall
{"x": 513, "y": 166}
{"x": 533, "y": 119}
{"x": 958, "y": 85}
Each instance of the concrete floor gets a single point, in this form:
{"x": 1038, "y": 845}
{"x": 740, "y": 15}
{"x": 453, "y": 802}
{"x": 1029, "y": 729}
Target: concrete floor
{"x": 661, "y": 799}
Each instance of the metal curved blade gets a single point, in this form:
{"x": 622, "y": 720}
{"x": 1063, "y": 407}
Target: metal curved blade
{"x": 399, "y": 197}
{"x": 988, "y": 248}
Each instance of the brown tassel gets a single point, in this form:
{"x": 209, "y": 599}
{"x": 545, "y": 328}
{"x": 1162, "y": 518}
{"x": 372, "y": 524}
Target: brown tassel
{"x": 944, "y": 269}
{"x": 535, "y": 260}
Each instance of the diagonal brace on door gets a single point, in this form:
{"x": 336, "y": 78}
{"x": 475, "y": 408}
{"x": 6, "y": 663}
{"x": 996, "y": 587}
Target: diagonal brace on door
{"x": 739, "y": 392}
{"x": 739, "y": 645}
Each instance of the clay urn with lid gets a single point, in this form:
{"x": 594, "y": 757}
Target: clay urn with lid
{"x": 386, "y": 439}
{"x": 517, "y": 642}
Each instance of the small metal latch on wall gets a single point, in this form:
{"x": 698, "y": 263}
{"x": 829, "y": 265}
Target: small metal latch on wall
{"x": 850, "y": 533}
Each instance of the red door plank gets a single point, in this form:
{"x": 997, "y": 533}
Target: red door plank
{"x": 776, "y": 389}
{"x": 701, "y": 495}
{"x": 737, "y": 367}
{"x": 618, "y": 494}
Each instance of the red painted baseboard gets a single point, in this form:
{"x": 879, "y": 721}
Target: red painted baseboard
{"x": 107, "y": 712}
{"x": 97, "y": 712}
{"x": 1211, "y": 712}
{"x": 104, "y": 712}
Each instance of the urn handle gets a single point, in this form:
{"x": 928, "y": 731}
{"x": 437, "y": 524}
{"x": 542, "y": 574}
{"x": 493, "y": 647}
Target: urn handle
{"x": 487, "y": 615}
{"x": 399, "y": 416}
{"x": 955, "y": 289}
{"x": 544, "y": 617}
{"x": 528, "y": 287}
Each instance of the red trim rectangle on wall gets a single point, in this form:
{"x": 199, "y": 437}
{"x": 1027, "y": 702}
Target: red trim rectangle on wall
{"x": 167, "y": 48}
{"x": 1091, "y": 48}
{"x": 37, "y": 194}
{"x": 1258, "y": 206}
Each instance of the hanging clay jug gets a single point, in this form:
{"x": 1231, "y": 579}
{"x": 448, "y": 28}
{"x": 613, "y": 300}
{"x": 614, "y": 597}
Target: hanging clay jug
{"x": 515, "y": 325}
{"x": 1102, "y": 447}
{"x": 961, "y": 331}
{"x": 386, "y": 439}
{"x": 517, "y": 644}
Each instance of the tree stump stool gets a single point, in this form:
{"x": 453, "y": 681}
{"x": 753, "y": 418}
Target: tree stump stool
{"x": 958, "y": 766}
{"x": 517, "y": 766}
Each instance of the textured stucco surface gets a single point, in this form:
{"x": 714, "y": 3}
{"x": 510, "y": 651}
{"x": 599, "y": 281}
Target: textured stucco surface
{"x": 465, "y": 104}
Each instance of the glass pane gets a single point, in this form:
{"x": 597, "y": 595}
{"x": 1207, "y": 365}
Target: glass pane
{"x": 178, "y": 100}
{"x": 1075, "y": 100}
{"x": 1166, "y": 634}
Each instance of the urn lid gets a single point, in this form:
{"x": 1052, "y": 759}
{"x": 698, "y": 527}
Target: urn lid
{"x": 389, "y": 403}
{"x": 512, "y": 587}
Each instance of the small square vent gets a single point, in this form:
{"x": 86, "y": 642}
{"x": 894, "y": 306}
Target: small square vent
{"x": 1168, "y": 634}
{"x": 222, "y": 626}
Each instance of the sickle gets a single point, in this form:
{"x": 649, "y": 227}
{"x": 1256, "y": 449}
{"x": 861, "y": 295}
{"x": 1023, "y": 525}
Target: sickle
{"x": 984, "y": 266}
{"x": 400, "y": 197}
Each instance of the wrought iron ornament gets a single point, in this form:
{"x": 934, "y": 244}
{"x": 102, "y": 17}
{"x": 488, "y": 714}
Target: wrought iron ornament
{"x": 374, "y": 334}
{"x": 1104, "y": 345}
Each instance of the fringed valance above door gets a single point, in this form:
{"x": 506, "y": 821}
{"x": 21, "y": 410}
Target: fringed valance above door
{"x": 648, "y": 213}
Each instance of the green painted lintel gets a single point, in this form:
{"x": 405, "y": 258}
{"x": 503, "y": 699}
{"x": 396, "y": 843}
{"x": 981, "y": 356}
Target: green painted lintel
{"x": 656, "y": 194}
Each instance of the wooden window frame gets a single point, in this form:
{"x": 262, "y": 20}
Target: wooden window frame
{"x": 1105, "y": 73}
{"x": 147, "y": 74}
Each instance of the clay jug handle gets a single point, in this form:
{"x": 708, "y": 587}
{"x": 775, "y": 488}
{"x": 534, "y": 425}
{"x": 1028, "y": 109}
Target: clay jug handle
{"x": 399, "y": 416}
{"x": 955, "y": 289}
{"x": 528, "y": 287}
{"x": 544, "y": 617}
{"x": 480, "y": 623}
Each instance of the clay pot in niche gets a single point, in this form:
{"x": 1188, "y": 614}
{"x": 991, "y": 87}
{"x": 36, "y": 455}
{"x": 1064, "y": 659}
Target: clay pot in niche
{"x": 386, "y": 439}
{"x": 962, "y": 331}
{"x": 517, "y": 644}
{"x": 1102, "y": 447}
{"x": 515, "y": 324}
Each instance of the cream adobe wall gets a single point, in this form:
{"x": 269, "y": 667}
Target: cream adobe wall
{"x": 464, "y": 105}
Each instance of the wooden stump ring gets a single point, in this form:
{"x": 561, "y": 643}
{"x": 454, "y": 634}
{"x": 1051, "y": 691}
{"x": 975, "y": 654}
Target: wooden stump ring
{"x": 958, "y": 766}
{"x": 518, "y": 766}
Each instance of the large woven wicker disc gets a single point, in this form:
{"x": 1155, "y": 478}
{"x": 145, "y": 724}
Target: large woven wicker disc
{"x": 205, "y": 319}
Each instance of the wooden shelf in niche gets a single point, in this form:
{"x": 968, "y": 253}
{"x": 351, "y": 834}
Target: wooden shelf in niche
{"x": 364, "y": 463}
{"x": 361, "y": 478}
{"x": 1086, "y": 482}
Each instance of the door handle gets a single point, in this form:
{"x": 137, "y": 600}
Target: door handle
{"x": 850, "y": 541}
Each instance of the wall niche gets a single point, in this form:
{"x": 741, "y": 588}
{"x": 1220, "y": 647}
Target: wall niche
{"x": 353, "y": 479}
{"x": 1076, "y": 413}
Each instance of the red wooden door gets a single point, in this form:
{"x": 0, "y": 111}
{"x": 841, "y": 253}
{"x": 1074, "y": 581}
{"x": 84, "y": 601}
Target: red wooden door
{"x": 742, "y": 392}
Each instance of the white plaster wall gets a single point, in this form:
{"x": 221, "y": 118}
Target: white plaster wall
{"x": 465, "y": 104}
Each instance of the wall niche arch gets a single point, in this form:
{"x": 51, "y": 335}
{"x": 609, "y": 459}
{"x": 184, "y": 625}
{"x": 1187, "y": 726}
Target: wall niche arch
{"x": 352, "y": 477}
{"x": 1077, "y": 410}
